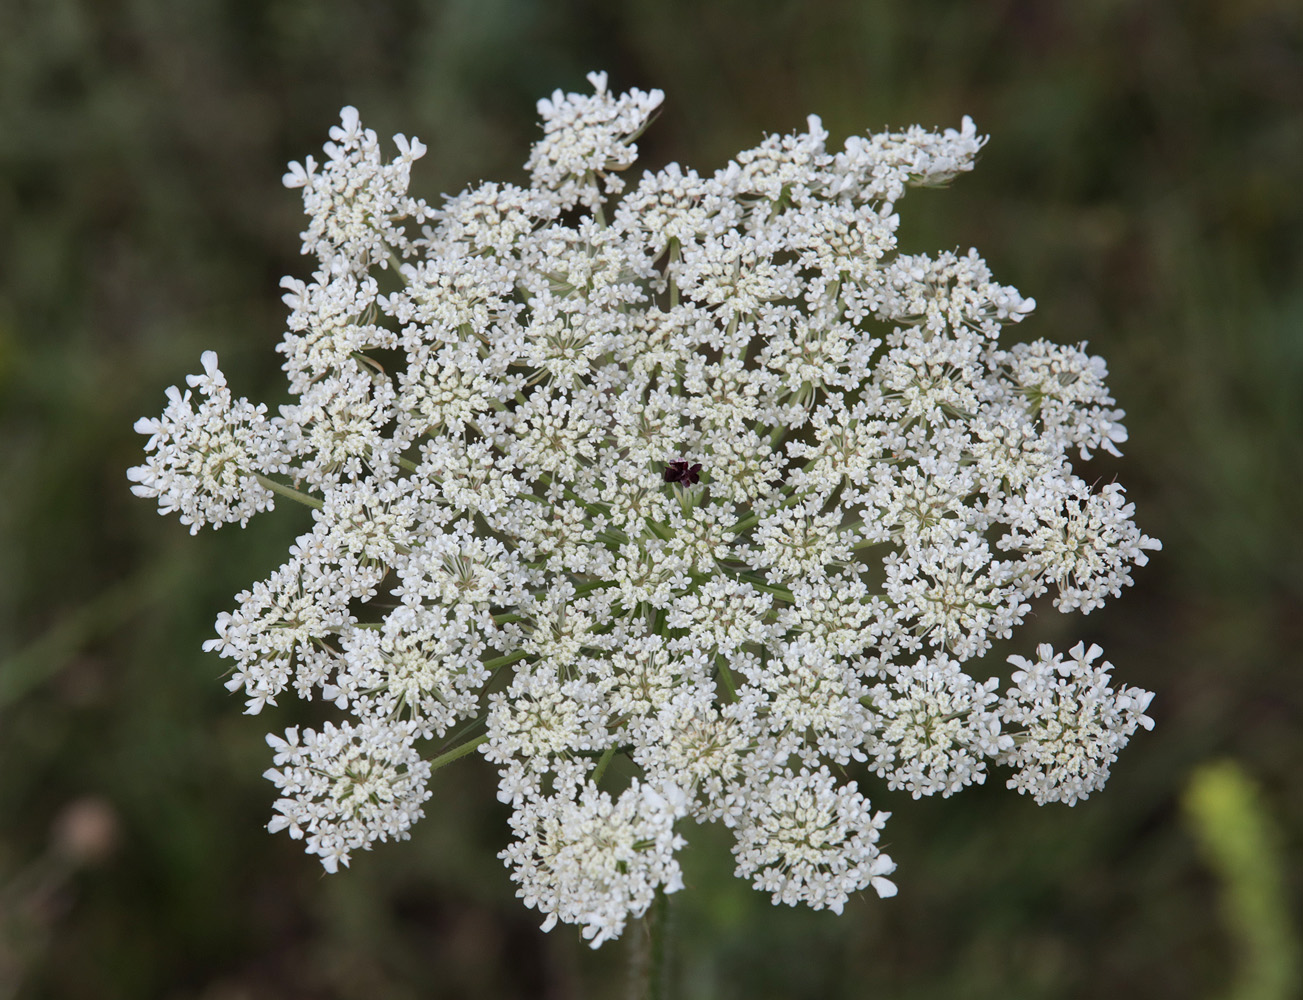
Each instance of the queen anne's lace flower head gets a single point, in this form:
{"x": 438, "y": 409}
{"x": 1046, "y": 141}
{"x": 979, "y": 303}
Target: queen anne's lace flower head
{"x": 697, "y": 471}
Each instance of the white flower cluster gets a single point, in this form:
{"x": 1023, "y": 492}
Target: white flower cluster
{"x": 204, "y": 464}
{"x": 707, "y": 479}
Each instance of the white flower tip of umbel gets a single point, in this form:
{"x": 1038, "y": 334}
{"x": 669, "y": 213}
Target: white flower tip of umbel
{"x": 411, "y": 149}
{"x": 598, "y": 79}
{"x": 211, "y": 372}
{"x": 297, "y": 176}
{"x": 348, "y": 123}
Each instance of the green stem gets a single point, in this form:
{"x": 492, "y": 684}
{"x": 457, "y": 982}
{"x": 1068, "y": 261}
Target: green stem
{"x": 502, "y": 661}
{"x": 674, "y": 259}
{"x": 648, "y": 978}
{"x": 598, "y": 771}
{"x": 289, "y": 491}
{"x": 588, "y": 586}
{"x": 658, "y": 987}
{"x": 456, "y": 753}
{"x": 661, "y": 531}
{"x": 750, "y": 521}
{"x": 868, "y": 543}
{"x": 726, "y": 675}
{"x": 782, "y": 593}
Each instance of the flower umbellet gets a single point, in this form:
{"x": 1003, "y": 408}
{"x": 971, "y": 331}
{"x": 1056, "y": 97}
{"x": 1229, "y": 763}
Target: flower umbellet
{"x": 496, "y": 564}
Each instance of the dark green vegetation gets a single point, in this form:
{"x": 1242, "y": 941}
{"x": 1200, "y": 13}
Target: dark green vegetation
{"x": 1144, "y": 182}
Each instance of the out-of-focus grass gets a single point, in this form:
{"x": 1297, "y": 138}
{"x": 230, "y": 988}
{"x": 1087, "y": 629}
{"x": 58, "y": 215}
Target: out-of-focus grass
{"x": 1242, "y": 845}
{"x": 1142, "y": 183}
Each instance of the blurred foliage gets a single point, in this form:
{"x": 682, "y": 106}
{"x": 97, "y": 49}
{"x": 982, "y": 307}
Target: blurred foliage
{"x": 1142, "y": 182}
{"x": 1241, "y": 843}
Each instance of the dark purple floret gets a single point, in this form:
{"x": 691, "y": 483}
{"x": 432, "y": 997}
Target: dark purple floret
{"x": 682, "y": 472}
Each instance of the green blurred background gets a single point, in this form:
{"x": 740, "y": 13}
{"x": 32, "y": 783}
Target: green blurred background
{"x": 1144, "y": 181}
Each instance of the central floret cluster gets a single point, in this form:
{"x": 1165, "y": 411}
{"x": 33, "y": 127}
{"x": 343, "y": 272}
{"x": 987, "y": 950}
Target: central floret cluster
{"x": 707, "y": 479}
